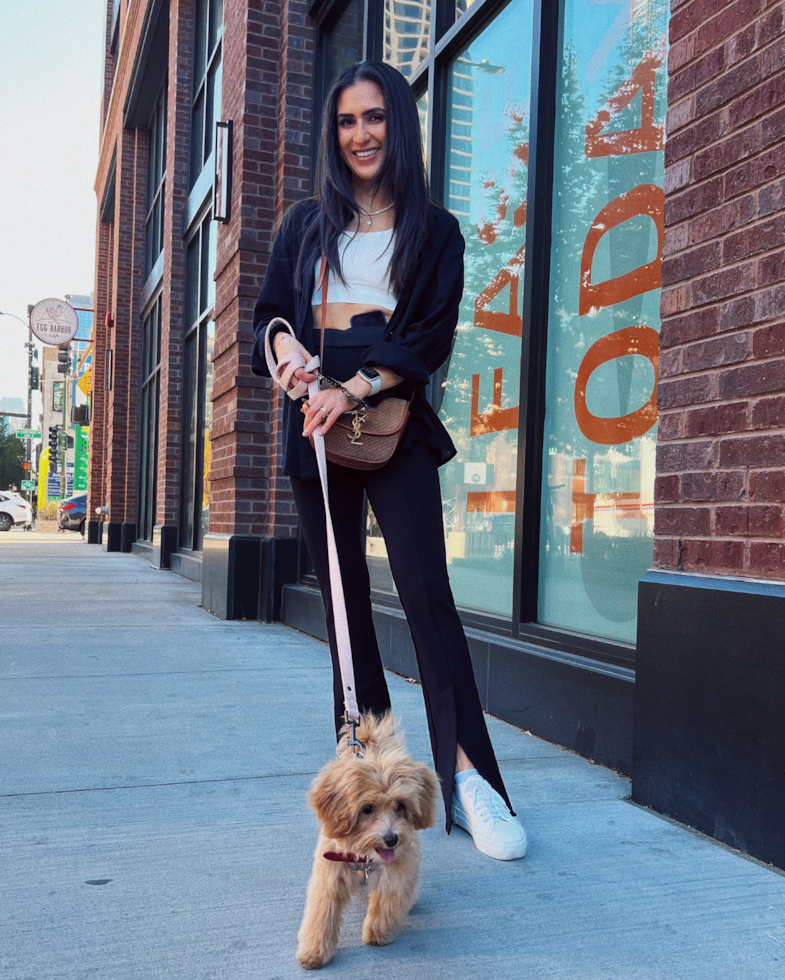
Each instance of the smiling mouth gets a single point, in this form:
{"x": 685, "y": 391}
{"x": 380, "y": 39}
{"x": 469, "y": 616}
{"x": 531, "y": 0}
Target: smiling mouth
{"x": 366, "y": 154}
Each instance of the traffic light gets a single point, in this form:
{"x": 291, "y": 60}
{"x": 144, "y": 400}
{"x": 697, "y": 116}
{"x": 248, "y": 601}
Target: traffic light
{"x": 53, "y": 445}
{"x": 35, "y": 378}
{"x": 64, "y": 359}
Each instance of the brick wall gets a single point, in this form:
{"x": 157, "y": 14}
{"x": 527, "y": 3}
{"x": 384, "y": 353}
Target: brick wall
{"x": 267, "y": 47}
{"x": 720, "y": 486}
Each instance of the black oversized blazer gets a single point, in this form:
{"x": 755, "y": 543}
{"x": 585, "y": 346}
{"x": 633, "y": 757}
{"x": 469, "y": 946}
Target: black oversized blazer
{"x": 417, "y": 341}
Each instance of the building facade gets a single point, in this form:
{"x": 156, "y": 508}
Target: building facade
{"x": 614, "y": 386}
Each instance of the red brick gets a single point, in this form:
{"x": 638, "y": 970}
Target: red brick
{"x": 728, "y": 349}
{"x": 752, "y": 379}
{"x": 682, "y": 520}
{"x": 751, "y": 451}
{"x": 712, "y": 556}
{"x": 769, "y": 342}
{"x": 769, "y": 413}
{"x": 765, "y": 521}
{"x": 716, "y": 419}
{"x": 690, "y": 326}
{"x": 767, "y": 559}
{"x": 689, "y": 391}
{"x": 666, "y": 489}
{"x": 767, "y": 486}
{"x": 730, "y": 520}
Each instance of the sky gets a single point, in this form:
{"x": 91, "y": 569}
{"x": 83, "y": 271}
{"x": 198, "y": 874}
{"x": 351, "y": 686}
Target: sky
{"x": 51, "y": 58}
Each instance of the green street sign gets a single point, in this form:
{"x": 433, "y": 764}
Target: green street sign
{"x": 28, "y": 484}
{"x": 28, "y": 433}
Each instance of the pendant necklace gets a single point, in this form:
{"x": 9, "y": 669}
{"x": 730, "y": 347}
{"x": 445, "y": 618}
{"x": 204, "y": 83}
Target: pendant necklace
{"x": 370, "y": 215}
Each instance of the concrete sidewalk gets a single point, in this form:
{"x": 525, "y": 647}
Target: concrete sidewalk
{"x": 153, "y": 767}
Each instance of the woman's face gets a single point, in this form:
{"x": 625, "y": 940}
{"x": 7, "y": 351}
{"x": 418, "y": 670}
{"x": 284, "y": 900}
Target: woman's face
{"x": 362, "y": 129}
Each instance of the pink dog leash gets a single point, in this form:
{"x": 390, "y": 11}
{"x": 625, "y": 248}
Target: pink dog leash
{"x": 282, "y": 373}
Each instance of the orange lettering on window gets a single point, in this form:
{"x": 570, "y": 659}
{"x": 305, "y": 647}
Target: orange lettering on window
{"x": 646, "y": 199}
{"x": 614, "y": 431}
{"x": 490, "y": 502}
{"x": 509, "y": 323}
{"x": 648, "y": 136}
{"x": 496, "y": 419}
{"x": 623, "y": 506}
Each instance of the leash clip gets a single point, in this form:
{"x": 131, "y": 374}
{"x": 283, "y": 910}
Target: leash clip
{"x": 354, "y": 743}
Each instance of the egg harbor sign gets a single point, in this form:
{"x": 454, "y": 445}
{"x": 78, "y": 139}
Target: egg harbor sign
{"x": 54, "y": 322}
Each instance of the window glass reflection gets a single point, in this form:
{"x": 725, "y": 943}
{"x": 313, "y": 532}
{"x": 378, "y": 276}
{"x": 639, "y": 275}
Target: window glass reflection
{"x": 600, "y": 427}
{"x": 407, "y": 29}
{"x": 344, "y": 44}
{"x": 487, "y": 175}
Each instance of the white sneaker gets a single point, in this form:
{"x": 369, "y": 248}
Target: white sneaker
{"x": 478, "y": 808}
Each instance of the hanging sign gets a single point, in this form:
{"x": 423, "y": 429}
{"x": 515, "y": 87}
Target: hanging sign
{"x": 54, "y": 322}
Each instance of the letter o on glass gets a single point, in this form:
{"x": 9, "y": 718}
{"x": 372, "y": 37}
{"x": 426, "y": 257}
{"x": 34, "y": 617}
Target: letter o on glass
{"x": 615, "y": 431}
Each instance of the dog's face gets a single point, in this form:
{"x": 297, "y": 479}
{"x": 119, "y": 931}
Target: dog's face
{"x": 374, "y": 803}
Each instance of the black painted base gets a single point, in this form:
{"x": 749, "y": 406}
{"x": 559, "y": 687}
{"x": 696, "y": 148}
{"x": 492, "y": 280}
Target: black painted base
{"x": 573, "y": 701}
{"x": 127, "y": 537}
{"x": 164, "y": 543}
{"x": 94, "y": 532}
{"x": 709, "y": 746}
{"x": 112, "y": 536}
{"x": 278, "y": 568}
{"x": 230, "y": 576}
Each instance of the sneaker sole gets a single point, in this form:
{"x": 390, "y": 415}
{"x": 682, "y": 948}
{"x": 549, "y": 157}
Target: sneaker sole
{"x": 501, "y": 852}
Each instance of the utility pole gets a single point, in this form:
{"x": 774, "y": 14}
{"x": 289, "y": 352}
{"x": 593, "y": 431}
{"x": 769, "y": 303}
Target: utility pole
{"x": 30, "y": 348}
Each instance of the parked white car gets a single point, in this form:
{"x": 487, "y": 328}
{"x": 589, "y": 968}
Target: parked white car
{"x": 14, "y": 510}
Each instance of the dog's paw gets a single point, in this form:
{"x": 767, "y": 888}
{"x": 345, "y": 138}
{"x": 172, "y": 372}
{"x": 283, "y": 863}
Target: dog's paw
{"x": 313, "y": 959}
{"x": 373, "y": 935}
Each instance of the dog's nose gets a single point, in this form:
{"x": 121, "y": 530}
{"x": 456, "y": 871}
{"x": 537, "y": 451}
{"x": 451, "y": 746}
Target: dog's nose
{"x": 391, "y": 840}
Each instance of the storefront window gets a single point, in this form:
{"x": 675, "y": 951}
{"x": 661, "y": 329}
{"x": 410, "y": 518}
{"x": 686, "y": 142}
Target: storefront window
{"x": 407, "y": 29}
{"x": 600, "y": 424}
{"x": 344, "y": 43}
{"x": 486, "y": 182}
{"x": 198, "y": 382}
{"x": 206, "y": 107}
{"x": 156, "y": 182}
{"x": 148, "y": 454}
{"x": 422, "y": 112}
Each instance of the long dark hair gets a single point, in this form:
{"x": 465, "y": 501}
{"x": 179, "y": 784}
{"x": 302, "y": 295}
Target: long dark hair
{"x": 402, "y": 171}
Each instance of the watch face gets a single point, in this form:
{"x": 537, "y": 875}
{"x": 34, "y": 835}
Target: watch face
{"x": 370, "y": 373}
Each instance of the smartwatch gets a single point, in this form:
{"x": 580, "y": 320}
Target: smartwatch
{"x": 372, "y": 377}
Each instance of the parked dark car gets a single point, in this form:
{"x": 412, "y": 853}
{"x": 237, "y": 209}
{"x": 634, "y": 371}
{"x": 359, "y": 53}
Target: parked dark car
{"x": 72, "y": 513}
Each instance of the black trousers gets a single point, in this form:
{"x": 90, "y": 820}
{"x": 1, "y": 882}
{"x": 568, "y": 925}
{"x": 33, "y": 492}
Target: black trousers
{"x": 406, "y": 499}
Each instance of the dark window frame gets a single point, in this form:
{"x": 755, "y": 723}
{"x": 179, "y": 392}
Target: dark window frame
{"x": 195, "y": 332}
{"x": 149, "y": 419}
{"x": 201, "y": 86}
{"x": 156, "y": 181}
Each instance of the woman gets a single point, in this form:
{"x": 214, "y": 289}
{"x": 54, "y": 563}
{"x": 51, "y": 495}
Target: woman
{"x": 394, "y": 283}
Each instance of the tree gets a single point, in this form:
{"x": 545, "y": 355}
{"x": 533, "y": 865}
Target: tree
{"x": 12, "y": 455}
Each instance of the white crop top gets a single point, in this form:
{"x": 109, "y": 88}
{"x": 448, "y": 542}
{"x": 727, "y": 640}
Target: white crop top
{"x": 365, "y": 263}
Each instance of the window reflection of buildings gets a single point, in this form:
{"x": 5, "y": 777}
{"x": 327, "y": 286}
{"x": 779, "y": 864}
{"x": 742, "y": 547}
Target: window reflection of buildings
{"x": 407, "y": 27}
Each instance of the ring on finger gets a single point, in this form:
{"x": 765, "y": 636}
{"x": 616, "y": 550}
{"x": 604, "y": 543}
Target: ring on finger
{"x": 325, "y": 412}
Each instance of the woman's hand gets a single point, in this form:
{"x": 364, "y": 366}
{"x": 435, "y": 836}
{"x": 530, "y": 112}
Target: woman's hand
{"x": 285, "y": 343}
{"x": 323, "y": 410}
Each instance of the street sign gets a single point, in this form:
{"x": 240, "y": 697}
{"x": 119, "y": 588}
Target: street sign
{"x": 85, "y": 381}
{"x": 28, "y": 433}
{"x": 53, "y": 321}
{"x": 28, "y": 484}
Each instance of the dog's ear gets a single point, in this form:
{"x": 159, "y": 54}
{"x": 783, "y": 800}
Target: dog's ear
{"x": 329, "y": 797}
{"x": 421, "y": 801}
